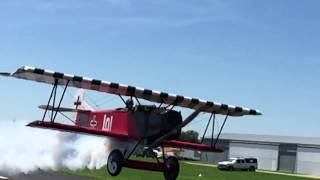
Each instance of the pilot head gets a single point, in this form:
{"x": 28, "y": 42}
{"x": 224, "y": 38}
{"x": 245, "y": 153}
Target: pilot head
{"x": 129, "y": 103}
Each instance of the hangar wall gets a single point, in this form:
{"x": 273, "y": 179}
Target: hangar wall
{"x": 308, "y": 160}
{"x": 266, "y": 154}
{"x": 276, "y": 153}
{"x": 216, "y": 157}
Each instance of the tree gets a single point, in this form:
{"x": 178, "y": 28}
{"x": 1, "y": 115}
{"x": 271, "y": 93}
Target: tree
{"x": 189, "y": 135}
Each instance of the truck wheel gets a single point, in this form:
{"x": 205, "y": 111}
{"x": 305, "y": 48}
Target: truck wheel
{"x": 252, "y": 168}
{"x": 115, "y": 162}
{"x": 231, "y": 168}
{"x": 172, "y": 168}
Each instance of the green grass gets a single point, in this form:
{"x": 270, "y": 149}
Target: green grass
{"x": 187, "y": 172}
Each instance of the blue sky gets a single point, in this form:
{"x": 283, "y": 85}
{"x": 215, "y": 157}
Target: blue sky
{"x": 258, "y": 54}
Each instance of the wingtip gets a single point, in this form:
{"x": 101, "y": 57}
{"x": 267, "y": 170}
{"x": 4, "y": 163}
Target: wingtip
{"x": 21, "y": 69}
{"x": 259, "y": 113}
{"x": 33, "y": 123}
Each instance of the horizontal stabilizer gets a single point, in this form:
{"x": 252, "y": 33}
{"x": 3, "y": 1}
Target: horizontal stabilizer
{"x": 62, "y": 109}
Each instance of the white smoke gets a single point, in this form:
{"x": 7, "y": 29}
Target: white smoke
{"x": 24, "y": 149}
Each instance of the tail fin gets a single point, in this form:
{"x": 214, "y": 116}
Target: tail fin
{"x": 79, "y": 102}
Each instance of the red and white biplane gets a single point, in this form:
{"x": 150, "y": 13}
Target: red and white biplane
{"x": 150, "y": 126}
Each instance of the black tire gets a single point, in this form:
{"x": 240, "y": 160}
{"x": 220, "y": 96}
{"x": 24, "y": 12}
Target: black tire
{"x": 115, "y": 162}
{"x": 231, "y": 168}
{"x": 252, "y": 168}
{"x": 172, "y": 168}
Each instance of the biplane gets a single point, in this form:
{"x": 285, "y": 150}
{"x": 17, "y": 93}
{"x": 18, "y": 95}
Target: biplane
{"x": 150, "y": 126}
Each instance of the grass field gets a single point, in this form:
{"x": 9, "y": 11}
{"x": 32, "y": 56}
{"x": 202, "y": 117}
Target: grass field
{"x": 187, "y": 172}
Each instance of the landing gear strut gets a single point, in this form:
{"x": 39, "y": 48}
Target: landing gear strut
{"x": 115, "y": 163}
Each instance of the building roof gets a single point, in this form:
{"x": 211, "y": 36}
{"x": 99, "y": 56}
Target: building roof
{"x": 275, "y": 139}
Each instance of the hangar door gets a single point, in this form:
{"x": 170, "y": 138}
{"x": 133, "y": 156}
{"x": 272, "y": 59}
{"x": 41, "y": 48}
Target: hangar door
{"x": 308, "y": 160}
{"x": 287, "y": 158}
{"x": 267, "y": 154}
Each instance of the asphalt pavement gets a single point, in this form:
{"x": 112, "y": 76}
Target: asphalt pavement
{"x": 40, "y": 175}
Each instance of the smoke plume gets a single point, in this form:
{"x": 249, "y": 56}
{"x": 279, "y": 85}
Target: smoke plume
{"x": 24, "y": 149}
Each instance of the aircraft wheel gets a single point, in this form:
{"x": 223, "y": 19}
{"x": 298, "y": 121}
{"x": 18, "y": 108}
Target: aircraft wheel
{"x": 173, "y": 168}
{"x": 115, "y": 162}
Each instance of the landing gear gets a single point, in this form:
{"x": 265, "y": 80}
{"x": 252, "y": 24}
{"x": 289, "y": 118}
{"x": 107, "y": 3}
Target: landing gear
{"x": 115, "y": 162}
{"x": 172, "y": 168}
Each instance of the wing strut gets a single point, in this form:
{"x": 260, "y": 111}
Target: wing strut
{"x": 124, "y": 102}
{"x": 224, "y": 122}
{"x": 62, "y": 96}
{"x": 213, "y": 123}
{"x": 205, "y": 131}
{"x": 54, "y": 100}
{"x": 213, "y": 145}
{"x": 52, "y": 92}
{"x": 53, "y": 95}
{"x": 136, "y": 100}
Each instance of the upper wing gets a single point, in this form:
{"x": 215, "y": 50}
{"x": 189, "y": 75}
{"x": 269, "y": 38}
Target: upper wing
{"x": 47, "y": 76}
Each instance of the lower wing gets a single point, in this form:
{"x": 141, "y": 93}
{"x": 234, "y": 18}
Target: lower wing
{"x": 193, "y": 146}
{"x": 75, "y": 129}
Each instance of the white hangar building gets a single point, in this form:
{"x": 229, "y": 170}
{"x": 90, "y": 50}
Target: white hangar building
{"x": 276, "y": 153}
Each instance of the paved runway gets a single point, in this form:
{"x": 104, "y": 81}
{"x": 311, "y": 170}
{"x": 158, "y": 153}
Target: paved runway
{"x": 41, "y": 175}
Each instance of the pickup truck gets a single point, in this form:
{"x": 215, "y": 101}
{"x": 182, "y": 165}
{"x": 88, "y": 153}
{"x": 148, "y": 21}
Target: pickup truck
{"x": 250, "y": 164}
